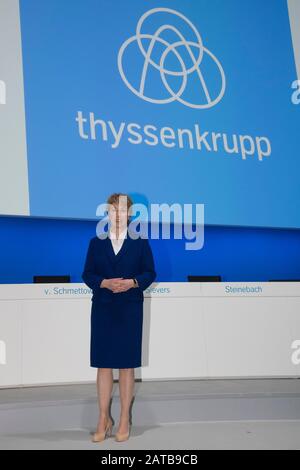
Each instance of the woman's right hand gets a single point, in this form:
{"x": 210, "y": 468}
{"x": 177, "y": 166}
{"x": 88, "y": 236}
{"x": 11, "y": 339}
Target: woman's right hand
{"x": 111, "y": 284}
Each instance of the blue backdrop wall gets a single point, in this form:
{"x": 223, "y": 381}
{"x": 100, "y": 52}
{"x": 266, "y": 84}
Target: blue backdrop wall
{"x": 67, "y": 78}
{"x": 31, "y": 246}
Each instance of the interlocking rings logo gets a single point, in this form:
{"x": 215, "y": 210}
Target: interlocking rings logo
{"x": 181, "y": 51}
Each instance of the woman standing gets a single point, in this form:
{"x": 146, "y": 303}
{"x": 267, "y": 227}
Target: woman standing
{"x": 118, "y": 269}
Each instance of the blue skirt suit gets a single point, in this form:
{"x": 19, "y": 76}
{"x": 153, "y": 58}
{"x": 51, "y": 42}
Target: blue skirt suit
{"x": 117, "y": 318}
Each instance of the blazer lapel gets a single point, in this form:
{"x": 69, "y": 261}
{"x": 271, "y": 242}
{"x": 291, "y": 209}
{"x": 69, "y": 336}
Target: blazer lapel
{"x": 110, "y": 250}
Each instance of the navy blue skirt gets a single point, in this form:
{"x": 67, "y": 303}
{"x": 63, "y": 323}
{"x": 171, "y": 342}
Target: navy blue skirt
{"x": 116, "y": 334}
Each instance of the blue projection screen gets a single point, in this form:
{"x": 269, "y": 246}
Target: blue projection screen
{"x": 170, "y": 101}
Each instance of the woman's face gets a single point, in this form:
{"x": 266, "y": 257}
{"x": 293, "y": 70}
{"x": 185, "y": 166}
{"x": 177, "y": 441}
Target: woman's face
{"x": 118, "y": 215}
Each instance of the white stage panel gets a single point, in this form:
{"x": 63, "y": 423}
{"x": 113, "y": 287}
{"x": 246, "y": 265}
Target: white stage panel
{"x": 249, "y": 336}
{"x": 10, "y": 343}
{"x": 56, "y": 337}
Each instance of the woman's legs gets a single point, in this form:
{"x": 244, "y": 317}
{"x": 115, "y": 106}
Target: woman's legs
{"x": 126, "y": 384}
{"x": 104, "y": 389}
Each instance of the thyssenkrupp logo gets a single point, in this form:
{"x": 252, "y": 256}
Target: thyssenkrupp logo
{"x": 183, "y": 51}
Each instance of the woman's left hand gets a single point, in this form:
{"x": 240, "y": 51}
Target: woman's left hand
{"x": 124, "y": 285}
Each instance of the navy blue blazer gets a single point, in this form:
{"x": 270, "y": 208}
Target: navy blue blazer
{"x": 134, "y": 260}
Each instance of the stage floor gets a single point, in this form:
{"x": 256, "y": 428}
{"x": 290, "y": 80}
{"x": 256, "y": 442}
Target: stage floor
{"x": 184, "y": 414}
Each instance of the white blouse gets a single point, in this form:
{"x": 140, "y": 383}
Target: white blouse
{"x": 117, "y": 242}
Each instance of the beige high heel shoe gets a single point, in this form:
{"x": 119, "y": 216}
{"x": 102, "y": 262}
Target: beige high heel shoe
{"x": 120, "y": 437}
{"x": 100, "y": 436}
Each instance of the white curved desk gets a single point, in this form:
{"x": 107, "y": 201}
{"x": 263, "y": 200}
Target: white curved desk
{"x": 191, "y": 330}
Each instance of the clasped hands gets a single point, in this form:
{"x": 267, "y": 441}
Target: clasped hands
{"x": 117, "y": 284}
